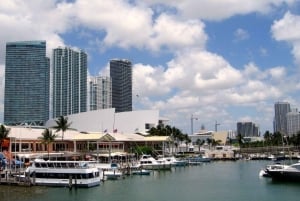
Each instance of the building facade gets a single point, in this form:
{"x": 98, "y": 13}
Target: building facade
{"x": 121, "y": 76}
{"x": 69, "y": 87}
{"x": 280, "y": 119}
{"x": 293, "y": 122}
{"x": 247, "y": 129}
{"x": 27, "y": 76}
{"x": 100, "y": 93}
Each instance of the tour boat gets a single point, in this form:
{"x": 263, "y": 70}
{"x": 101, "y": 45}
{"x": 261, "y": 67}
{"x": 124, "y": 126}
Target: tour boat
{"x": 63, "y": 173}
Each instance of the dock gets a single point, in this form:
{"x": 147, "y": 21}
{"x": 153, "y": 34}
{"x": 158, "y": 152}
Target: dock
{"x": 12, "y": 178}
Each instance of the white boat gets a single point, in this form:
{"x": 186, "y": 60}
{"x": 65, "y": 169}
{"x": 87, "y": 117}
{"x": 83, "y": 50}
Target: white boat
{"x": 109, "y": 171}
{"x": 174, "y": 161}
{"x": 284, "y": 172}
{"x": 147, "y": 162}
{"x": 63, "y": 173}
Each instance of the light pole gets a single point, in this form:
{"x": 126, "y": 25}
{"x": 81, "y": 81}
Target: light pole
{"x": 192, "y": 124}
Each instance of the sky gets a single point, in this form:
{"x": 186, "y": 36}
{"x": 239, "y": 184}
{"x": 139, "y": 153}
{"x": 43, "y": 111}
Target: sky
{"x": 205, "y": 61}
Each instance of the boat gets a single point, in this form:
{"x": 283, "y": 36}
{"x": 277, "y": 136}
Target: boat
{"x": 264, "y": 173}
{"x": 175, "y": 162}
{"x": 62, "y": 173}
{"x": 283, "y": 172}
{"x": 108, "y": 171}
{"x": 112, "y": 173}
{"x": 137, "y": 170}
{"x": 198, "y": 160}
{"x": 147, "y": 162}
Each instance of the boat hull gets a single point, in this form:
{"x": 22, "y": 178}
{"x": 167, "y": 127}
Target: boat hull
{"x": 156, "y": 166}
{"x": 66, "y": 183}
{"x": 284, "y": 175}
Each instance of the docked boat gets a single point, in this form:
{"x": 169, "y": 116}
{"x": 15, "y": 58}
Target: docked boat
{"x": 147, "y": 162}
{"x": 283, "y": 172}
{"x": 176, "y": 162}
{"x": 140, "y": 171}
{"x": 63, "y": 173}
{"x": 197, "y": 160}
{"x": 108, "y": 171}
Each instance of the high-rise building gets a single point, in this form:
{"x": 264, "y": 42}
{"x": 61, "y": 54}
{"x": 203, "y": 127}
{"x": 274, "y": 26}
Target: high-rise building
{"x": 69, "y": 82}
{"x": 100, "y": 93}
{"x": 280, "y": 119}
{"x": 121, "y": 75}
{"x": 247, "y": 129}
{"x": 293, "y": 122}
{"x": 27, "y": 75}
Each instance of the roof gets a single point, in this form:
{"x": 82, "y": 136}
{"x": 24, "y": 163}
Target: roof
{"x": 27, "y": 133}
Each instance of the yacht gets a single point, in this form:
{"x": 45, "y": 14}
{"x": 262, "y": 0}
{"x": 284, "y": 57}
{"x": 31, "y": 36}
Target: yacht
{"x": 284, "y": 172}
{"x": 62, "y": 173}
{"x": 147, "y": 162}
{"x": 174, "y": 161}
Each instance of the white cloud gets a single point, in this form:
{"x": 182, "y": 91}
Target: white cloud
{"x": 288, "y": 29}
{"x": 194, "y": 80}
{"x": 219, "y": 10}
{"x": 241, "y": 34}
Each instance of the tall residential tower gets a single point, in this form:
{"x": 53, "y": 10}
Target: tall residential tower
{"x": 121, "y": 75}
{"x": 27, "y": 73}
{"x": 280, "y": 119}
{"x": 69, "y": 82}
{"x": 100, "y": 93}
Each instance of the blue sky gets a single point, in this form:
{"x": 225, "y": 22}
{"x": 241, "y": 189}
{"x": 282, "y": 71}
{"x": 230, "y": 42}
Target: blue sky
{"x": 224, "y": 61}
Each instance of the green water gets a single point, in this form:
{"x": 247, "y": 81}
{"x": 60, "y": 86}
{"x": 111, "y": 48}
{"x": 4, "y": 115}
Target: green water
{"x": 226, "y": 181}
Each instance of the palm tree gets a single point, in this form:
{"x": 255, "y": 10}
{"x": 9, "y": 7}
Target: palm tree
{"x": 3, "y": 134}
{"x": 47, "y": 138}
{"x": 62, "y": 124}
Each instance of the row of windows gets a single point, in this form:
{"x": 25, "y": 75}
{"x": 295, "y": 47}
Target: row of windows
{"x": 64, "y": 175}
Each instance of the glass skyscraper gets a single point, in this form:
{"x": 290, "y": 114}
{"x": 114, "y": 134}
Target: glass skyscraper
{"x": 27, "y": 73}
{"x": 69, "y": 82}
{"x": 121, "y": 75}
{"x": 100, "y": 93}
{"x": 280, "y": 119}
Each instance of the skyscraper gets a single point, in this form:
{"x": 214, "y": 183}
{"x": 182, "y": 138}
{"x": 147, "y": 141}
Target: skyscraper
{"x": 100, "y": 93}
{"x": 121, "y": 75}
{"x": 247, "y": 129}
{"x": 27, "y": 73}
{"x": 69, "y": 82}
{"x": 293, "y": 122}
{"x": 280, "y": 119}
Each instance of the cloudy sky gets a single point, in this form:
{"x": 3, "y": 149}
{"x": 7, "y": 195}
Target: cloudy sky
{"x": 220, "y": 61}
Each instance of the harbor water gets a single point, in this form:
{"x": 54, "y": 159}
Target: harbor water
{"x": 224, "y": 181}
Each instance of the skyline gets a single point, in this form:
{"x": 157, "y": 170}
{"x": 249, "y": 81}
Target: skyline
{"x": 241, "y": 57}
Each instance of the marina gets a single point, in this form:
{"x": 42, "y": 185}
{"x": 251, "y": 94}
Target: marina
{"x": 219, "y": 181}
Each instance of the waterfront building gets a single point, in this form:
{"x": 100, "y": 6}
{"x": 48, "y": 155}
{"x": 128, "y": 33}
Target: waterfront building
{"x": 293, "y": 122}
{"x": 27, "y": 80}
{"x": 99, "y": 128}
{"x": 247, "y": 129}
{"x": 121, "y": 75}
{"x": 69, "y": 82}
{"x": 280, "y": 119}
{"x": 100, "y": 93}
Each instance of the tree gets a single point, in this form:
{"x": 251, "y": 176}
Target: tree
{"x": 199, "y": 142}
{"x": 3, "y": 135}
{"x": 48, "y": 138}
{"x": 62, "y": 125}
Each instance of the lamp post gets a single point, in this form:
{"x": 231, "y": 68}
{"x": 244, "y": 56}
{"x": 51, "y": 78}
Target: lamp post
{"x": 192, "y": 123}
